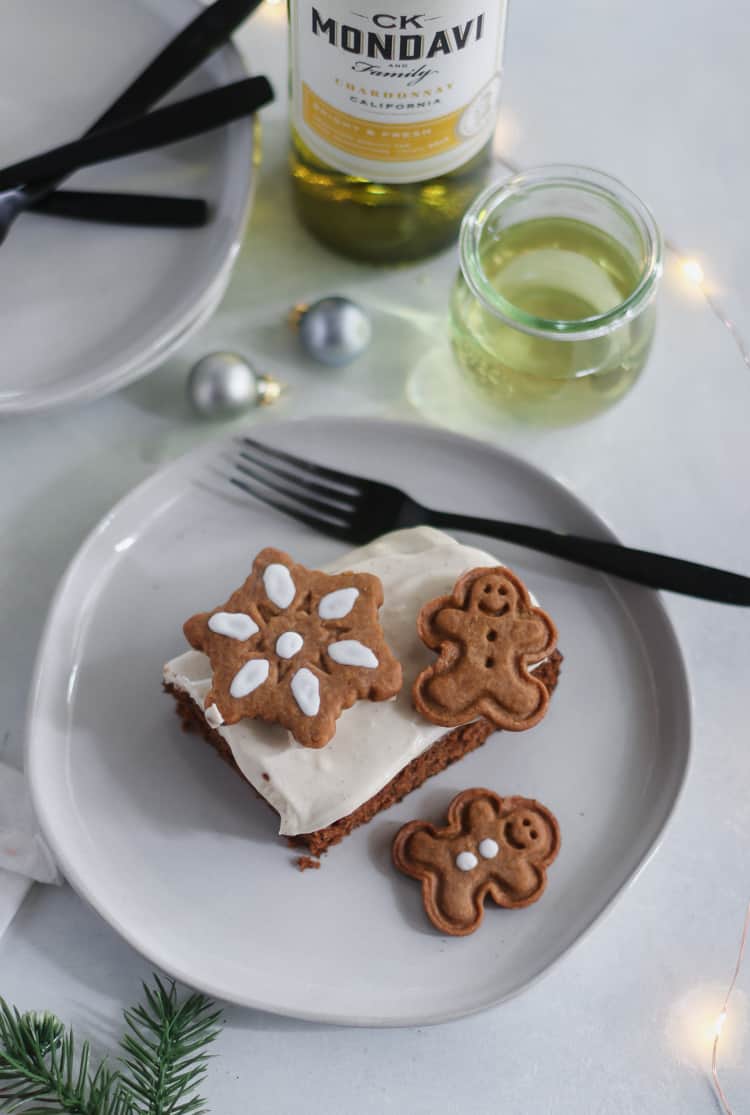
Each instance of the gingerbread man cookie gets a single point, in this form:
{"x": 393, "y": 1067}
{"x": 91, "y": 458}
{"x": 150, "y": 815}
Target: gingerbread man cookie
{"x": 491, "y": 846}
{"x": 296, "y": 647}
{"x": 488, "y": 633}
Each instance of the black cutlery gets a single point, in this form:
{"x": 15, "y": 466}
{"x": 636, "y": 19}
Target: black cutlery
{"x": 355, "y": 509}
{"x": 150, "y": 210}
{"x": 209, "y": 30}
{"x": 183, "y": 54}
{"x": 156, "y": 129}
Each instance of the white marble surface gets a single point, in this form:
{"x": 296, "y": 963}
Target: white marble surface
{"x": 655, "y": 94}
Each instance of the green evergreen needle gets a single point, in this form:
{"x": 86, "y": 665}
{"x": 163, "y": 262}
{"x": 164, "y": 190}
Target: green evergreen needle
{"x": 164, "y": 1060}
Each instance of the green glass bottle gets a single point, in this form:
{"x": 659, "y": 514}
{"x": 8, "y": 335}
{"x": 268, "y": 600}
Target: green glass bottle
{"x": 392, "y": 111}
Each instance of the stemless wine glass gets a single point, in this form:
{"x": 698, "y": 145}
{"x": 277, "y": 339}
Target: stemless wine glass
{"x": 553, "y": 310}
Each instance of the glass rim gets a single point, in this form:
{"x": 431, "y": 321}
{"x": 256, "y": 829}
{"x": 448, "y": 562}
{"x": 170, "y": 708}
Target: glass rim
{"x": 585, "y": 179}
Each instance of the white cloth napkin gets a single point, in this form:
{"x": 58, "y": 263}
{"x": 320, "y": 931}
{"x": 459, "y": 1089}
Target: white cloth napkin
{"x": 24, "y": 855}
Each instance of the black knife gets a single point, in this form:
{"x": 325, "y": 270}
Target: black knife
{"x": 156, "y": 129}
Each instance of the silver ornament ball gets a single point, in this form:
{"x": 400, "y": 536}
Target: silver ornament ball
{"x": 334, "y": 330}
{"x": 223, "y": 384}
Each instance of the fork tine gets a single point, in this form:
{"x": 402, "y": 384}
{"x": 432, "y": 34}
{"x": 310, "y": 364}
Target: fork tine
{"x": 299, "y": 493}
{"x": 326, "y": 490}
{"x": 326, "y": 526}
{"x": 322, "y": 471}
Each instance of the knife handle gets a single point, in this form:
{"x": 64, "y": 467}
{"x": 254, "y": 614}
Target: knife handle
{"x": 156, "y": 129}
{"x": 186, "y": 51}
{"x": 202, "y": 36}
{"x": 148, "y": 210}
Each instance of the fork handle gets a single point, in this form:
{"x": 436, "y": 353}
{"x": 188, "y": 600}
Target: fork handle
{"x": 641, "y": 566}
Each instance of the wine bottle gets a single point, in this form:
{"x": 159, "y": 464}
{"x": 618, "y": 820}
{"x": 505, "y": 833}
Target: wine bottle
{"x": 393, "y": 108}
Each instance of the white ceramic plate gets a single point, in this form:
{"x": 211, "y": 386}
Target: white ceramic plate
{"x": 174, "y": 850}
{"x": 87, "y": 308}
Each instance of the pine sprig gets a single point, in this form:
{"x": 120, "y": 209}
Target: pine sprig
{"x": 43, "y": 1072}
{"x": 166, "y": 1051}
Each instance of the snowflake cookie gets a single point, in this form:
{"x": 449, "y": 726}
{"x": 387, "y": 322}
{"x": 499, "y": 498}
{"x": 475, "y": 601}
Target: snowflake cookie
{"x": 492, "y": 847}
{"x": 296, "y": 647}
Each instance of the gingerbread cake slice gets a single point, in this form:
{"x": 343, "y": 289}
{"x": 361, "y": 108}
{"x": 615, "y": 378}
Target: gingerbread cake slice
{"x": 382, "y": 748}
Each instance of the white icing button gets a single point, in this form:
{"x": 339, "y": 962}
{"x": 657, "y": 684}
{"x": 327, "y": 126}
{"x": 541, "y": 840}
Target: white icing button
{"x": 488, "y": 848}
{"x": 336, "y": 605}
{"x": 288, "y": 644}
{"x": 466, "y": 861}
{"x": 279, "y": 585}
{"x": 252, "y": 674}
{"x": 348, "y": 652}
{"x": 214, "y": 719}
{"x": 235, "y": 625}
{"x": 306, "y": 691}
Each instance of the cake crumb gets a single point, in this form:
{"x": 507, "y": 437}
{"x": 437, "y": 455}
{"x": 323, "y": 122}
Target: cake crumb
{"x": 266, "y": 777}
{"x": 304, "y": 863}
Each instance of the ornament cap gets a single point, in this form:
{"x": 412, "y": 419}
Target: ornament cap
{"x": 225, "y": 384}
{"x": 270, "y": 390}
{"x": 295, "y": 315}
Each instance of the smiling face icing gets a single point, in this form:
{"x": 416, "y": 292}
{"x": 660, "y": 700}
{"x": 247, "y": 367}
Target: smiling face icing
{"x": 311, "y": 787}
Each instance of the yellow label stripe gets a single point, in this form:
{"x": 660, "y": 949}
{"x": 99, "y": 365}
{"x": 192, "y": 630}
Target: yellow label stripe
{"x": 383, "y": 142}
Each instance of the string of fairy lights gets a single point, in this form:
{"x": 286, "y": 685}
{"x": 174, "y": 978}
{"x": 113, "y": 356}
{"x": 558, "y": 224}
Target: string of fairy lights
{"x": 722, "y": 1017}
{"x": 693, "y": 273}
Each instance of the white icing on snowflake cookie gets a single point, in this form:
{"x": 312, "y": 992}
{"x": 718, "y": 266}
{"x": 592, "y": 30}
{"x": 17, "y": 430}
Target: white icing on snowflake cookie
{"x": 235, "y": 625}
{"x": 279, "y": 585}
{"x": 336, "y": 605}
{"x": 350, "y": 652}
{"x": 306, "y": 691}
{"x": 249, "y": 677}
{"x": 289, "y": 644}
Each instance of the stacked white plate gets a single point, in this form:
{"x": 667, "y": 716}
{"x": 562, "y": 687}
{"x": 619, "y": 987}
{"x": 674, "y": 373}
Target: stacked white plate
{"x": 85, "y": 307}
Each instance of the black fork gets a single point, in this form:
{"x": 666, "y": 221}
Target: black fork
{"x": 356, "y": 509}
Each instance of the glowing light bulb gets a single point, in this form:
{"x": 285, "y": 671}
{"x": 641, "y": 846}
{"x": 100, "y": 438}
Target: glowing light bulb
{"x": 693, "y": 271}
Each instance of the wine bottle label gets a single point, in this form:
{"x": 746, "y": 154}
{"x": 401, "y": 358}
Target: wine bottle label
{"x": 394, "y": 93}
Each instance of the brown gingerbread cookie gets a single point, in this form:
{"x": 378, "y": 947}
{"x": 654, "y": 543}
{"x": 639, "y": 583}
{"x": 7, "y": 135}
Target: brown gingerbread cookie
{"x": 491, "y": 846}
{"x": 296, "y": 647}
{"x": 487, "y": 633}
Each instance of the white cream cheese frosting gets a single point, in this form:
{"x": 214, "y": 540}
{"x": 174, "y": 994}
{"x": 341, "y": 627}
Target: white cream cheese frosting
{"x": 311, "y": 788}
